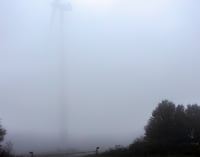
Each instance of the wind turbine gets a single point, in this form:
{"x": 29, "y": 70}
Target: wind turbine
{"x": 59, "y": 8}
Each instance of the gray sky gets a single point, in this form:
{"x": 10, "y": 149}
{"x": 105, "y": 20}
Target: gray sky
{"x": 122, "y": 58}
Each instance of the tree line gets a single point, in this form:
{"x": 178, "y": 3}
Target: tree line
{"x": 171, "y": 129}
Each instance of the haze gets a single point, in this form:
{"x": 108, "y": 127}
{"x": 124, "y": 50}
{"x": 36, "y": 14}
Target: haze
{"x": 122, "y": 57}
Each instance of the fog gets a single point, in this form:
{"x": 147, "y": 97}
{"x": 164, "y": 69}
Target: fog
{"x": 92, "y": 75}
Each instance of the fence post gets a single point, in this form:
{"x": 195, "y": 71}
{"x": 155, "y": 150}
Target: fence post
{"x": 97, "y": 150}
{"x": 31, "y": 153}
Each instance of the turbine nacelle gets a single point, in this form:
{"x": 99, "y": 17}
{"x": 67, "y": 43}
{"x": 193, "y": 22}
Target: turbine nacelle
{"x": 57, "y": 4}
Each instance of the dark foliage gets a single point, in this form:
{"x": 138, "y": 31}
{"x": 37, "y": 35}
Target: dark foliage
{"x": 5, "y": 150}
{"x": 2, "y": 133}
{"x": 171, "y": 130}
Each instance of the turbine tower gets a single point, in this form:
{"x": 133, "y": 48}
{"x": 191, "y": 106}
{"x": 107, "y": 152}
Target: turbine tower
{"x": 59, "y": 9}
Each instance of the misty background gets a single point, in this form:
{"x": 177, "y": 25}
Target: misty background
{"x": 122, "y": 58}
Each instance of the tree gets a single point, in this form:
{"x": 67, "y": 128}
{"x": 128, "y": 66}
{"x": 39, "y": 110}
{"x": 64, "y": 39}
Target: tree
{"x": 2, "y": 133}
{"x": 193, "y": 118}
{"x": 160, "y": 128}
{"x": 172, "y": 128}
{"x": 181, "y": 130}
{"x": 4, "y": 150}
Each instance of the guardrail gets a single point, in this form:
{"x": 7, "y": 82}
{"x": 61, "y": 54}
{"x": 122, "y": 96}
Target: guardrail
{"x": 66, "y": 154}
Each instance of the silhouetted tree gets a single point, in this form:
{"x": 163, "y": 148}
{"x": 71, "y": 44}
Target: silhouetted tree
{"x": 5, "y": 150}
{"x": 171, "y": 129}
{"x": 193, "y": 117}
{"x": 2, "y": 133}
{"x": 160, "y": 128}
